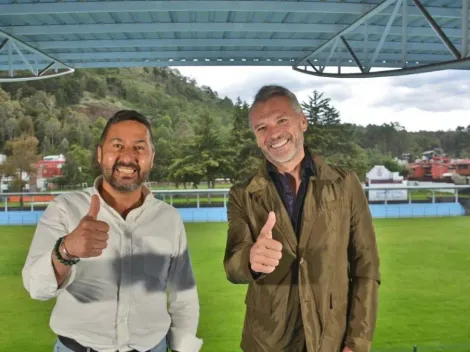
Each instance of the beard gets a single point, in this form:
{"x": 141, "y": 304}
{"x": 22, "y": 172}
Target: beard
{"x": 294, "y": 145}
{"x": 123, "y": 183}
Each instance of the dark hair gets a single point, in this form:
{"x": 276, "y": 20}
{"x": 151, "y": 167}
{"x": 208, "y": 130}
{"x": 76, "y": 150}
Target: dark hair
{"x": 125, "y": 115}
{"x": 270, "y": 91}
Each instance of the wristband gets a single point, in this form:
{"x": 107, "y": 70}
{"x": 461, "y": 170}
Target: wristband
{"x": 59, "y": 257}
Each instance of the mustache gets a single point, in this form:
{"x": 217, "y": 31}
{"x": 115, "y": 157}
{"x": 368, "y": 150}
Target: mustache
{"x": 130, "y": 165}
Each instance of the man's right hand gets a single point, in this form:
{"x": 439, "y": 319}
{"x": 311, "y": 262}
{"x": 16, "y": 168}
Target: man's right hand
{"x": 90, "y": 236}
{"x": 266, "y": 252}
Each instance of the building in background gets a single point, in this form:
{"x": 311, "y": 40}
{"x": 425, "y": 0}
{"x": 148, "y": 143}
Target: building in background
{"x": 380, "y": 176}
{"x": 48, "y": 168}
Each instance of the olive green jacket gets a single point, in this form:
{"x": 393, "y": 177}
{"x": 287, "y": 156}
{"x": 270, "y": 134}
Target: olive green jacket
{"x": 330, "y": 277}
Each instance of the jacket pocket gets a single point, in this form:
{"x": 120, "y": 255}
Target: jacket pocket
{"x": 258, "y": 299}
{"x": 336, "y": 320}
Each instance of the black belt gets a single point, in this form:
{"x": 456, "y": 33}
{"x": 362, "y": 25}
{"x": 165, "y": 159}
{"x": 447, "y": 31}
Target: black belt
{"x": 76, "y": 347}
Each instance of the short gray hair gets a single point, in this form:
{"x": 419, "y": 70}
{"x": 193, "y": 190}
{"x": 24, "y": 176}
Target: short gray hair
{"x": 270, "y": 91}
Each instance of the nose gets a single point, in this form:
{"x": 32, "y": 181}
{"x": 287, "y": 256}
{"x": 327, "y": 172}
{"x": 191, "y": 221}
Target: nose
{"x": 128, "y": 154}
{"x": 273, "y": 131}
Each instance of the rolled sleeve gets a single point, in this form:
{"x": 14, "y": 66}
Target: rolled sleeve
{"x": 38, "y": 272}
{"x": 182, "y": 341}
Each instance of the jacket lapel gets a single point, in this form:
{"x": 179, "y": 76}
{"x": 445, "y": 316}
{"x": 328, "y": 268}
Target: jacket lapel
{"x": 319, "y": 193}
{"x": 265, "y": 196}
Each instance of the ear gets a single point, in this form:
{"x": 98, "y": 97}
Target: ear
{"x": 303, "y": 122}
{"x": 153, "y": 158}
{"x": 99, "y": 154}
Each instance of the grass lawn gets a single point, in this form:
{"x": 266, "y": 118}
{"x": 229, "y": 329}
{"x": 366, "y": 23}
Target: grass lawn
{"x": 423, "y": 297}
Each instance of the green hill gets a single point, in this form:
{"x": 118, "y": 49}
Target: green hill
{"x": 198, "y": 135}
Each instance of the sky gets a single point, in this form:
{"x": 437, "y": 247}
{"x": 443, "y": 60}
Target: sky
{"x": 429, "y": 101}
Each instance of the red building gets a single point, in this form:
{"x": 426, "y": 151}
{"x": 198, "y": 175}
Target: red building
{"x": 434, "y": 166}
{"x": 48, "y": 168}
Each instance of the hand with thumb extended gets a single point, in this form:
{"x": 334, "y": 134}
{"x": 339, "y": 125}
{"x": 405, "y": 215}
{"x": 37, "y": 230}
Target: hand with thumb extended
{"x": 94, "y": 207}
{"x": 266, "y": 252}
{"x": 90, "y": 237}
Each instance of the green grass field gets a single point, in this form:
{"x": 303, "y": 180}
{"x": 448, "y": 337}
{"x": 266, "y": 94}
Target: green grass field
{"x": 423, "y": 297}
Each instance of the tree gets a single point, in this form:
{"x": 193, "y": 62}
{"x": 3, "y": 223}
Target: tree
{"x": 40, "y": 103}
{"x": 203, "y": 156}
{"x": 325, "y": 133}
{"x": 46, "y": 146}
{"x": 315, "y": 107}
{"x": 26, "y": 125}
{"x": 22, "y": 155}
{"x": 63, "y": 146}
{"x": 11, "y": 125}
{"x": 77, "y": 167}
{"x": 355, "y": 160}
{"x": 52, "y": 129}
{"x": 245, "y": 154}
{"x": 165, "y": 148}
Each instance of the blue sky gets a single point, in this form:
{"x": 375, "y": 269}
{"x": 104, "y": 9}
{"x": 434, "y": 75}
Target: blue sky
{"x": 429, "y": 101}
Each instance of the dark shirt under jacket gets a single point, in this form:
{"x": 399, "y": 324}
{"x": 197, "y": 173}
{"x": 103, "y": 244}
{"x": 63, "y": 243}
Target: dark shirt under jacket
{"x": 293, "y": 202}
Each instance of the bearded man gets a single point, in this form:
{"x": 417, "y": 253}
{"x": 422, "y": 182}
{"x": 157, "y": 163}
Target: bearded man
{"x": 115, "y": 257}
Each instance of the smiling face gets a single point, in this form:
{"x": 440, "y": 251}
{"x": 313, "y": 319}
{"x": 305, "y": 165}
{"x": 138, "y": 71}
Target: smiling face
{"x": 126, "y": 156}
{"x": 279, "y": 130}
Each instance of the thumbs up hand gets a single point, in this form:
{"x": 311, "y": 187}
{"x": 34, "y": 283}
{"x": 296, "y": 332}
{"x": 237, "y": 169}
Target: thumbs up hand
{"x": 90, "y": 237}
{"x": 266, "y": 252}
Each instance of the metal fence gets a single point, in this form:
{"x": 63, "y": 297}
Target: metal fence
{"x": 203, "y": 198}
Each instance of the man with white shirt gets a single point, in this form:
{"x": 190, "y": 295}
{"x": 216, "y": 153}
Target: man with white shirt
{"x": 115, "y": 257}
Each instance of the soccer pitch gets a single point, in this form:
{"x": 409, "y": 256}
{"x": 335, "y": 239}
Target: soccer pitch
{"x": 423, "y": 297}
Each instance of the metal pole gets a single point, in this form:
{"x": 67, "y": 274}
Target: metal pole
{"x": 464, "y": 28}
{"x": 438, "y": 30}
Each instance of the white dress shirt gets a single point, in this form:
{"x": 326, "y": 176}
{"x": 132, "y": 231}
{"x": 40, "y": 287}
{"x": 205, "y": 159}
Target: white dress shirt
{"x": 138, "y": 291}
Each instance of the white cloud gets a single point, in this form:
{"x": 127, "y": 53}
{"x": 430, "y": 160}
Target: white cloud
{"x": 431, "y": 101}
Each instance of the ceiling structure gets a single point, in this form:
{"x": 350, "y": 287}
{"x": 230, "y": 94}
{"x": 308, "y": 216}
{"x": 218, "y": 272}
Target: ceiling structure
{"x": 347, "y": 38}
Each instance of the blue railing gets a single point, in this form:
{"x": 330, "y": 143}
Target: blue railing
{"x": 209, "y": 205}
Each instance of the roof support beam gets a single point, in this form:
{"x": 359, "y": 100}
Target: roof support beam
{"x": 353, "y": 55}
{"x": 337, "y": 29}
{"x": 330, "y": 55}
{"x": 39, "y": 8}
{"x": 404, "y": 39}
{"x": 431, "y": 67}
{"x": 437, "y": 29}
{"x": 209, "y": 43}
{"x": 28, "y": 56}
{"x": 464, "y": 28}
{"x": 3, "y": 44}
{"x": 350, "y": 28}
{"x": 251, "y": 62}
{"x": 190, "y": 55}
{"x": 384, "y": 35}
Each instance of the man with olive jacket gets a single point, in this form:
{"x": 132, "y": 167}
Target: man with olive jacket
{"x": 301, "y": 235}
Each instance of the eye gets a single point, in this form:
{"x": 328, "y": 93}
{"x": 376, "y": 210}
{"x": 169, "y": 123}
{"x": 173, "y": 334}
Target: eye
{"x": 282, "y": 121}
{"x": 262, "y": 128}
{"x": 140, "y": 147}
{"x": 117, "y": 145}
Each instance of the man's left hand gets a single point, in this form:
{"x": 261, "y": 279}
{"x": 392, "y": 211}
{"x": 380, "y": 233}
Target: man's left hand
{"x": 347, "y": 349}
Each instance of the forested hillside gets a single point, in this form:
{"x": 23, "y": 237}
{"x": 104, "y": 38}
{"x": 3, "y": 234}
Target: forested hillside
{"x": 198, "y": 135}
